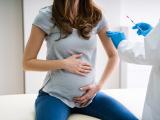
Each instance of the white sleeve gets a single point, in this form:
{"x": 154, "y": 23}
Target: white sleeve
{"x": 152, "y": 46}
{"x": 132, "y": 52}
{"x": 145, "y": 52}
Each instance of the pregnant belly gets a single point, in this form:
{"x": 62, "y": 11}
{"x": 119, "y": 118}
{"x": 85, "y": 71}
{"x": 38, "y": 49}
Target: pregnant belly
{"x": 68, "y": 84}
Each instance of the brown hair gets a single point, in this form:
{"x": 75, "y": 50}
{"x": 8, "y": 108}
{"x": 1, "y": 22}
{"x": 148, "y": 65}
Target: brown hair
{"x": 84, "y": 19}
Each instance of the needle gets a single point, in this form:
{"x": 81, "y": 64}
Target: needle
{"x": 134, "y": 23}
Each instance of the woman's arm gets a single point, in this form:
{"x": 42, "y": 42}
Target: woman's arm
{"x": 30, "y": 61}
{"x": 112, "y": 56}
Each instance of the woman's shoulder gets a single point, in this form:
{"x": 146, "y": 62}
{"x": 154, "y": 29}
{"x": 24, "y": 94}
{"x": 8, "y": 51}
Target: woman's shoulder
{"x": 43, "y": 19}
{"x": 102, "y": 23}
{"x": 46, "y": 10}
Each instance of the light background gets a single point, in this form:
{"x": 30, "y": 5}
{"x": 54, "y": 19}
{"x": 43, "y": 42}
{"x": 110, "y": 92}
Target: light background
{"x": 16, "y": 20}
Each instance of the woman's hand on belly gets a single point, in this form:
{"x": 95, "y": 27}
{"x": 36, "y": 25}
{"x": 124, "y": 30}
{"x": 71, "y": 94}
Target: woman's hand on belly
{"x": 75, "y": 65}
{"x": 90, "y": 91}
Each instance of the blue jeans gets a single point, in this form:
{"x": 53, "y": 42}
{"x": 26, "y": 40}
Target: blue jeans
{"x": 103, "y": 107}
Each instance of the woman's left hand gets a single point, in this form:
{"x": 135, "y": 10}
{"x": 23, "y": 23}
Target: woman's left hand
{"x": 90, "y": 91}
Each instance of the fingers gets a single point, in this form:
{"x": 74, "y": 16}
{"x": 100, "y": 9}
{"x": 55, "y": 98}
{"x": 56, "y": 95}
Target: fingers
{"x": 84, "y": 101}
{"x": 83, "y": 104}
{"x": 84, "y": 70}
{"x": 78, "y": 66}
{"x": 85, "y": 88}
{"x": 86, "y": 64}
{"x": 139, "y": 32}
{"x": 86, "y": 67}
{"x": 72, "y": 53}
{"x": 139, "y": 25}
{"x": 81, "y": 73}
{"x": 135, "y": 27}
{"x": 77, "y": 55}
{"x": 88, "y": 94}
{"x": 81, "y": 99}
{"x": 109, "y": 33}
{"x": 116, "y": 35}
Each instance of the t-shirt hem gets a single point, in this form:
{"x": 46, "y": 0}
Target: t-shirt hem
{"x": 71, "y": 105}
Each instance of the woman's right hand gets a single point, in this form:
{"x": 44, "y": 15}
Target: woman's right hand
{"x": 75, "y": 65}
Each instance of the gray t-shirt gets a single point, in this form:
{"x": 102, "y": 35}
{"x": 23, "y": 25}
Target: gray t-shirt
{"x": 62, "y": 84}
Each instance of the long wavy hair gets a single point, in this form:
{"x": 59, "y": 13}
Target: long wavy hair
{"x": 82, "y": 15}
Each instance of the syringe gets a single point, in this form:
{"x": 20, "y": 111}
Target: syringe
{"x": 134, "y": 23}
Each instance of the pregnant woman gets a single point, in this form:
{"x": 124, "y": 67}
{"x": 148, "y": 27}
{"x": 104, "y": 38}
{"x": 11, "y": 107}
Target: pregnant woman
{"x": 69, "y": 28}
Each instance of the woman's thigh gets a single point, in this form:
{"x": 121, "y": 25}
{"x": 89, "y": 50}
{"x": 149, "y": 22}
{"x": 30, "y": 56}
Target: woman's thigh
{"x": 105, "y": 108}
{"x": 50, "y": 108}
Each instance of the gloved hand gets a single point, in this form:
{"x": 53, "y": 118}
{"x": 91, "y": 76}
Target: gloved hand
{"x": 145, "y": 28}
{"x": 116, "y": 37}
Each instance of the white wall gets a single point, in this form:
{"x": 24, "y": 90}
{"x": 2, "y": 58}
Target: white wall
{"x": 11, "y": 47}
{"x": 33, "y": 80}
{"x": 138, "y": 10}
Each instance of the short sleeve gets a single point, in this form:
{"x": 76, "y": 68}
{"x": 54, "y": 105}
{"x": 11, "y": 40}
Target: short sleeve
{"x": 102, "y": 23}
{"x": 43, "y": 19}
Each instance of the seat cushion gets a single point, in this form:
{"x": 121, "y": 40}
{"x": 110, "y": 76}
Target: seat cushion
{"x": 17, "y": 107}
{"x": 81, "y": 117}
{"x": 21, "y": 106}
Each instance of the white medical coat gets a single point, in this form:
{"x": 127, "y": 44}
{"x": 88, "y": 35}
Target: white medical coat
{"x": 146, "y": 52}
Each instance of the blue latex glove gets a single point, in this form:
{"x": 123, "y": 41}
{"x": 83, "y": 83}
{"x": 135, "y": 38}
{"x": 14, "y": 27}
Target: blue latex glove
{"x": 116, "y": 37}
{"x": 145, "y": 28}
